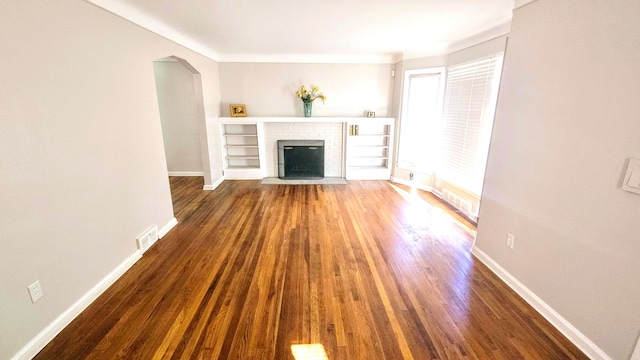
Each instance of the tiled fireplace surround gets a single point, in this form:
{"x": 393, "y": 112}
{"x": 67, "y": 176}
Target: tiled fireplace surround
{"x": 330, "y": 132}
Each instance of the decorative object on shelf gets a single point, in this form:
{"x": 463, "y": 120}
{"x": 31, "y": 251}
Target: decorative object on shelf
{"x": 371, "y": 114}
{"x": 238, "y": 110}
{"x": 308, "y": 107}
{"x": 308, "y": 98}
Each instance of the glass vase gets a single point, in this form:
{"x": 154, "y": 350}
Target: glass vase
{"x": 307, "y": 108}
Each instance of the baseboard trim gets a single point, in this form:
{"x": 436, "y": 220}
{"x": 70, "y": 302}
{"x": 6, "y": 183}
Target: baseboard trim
{"x": 563, "y": 325}
{"x": 165, "y": 229}
{"x": 33, "y": 347}
{"x": 186, "y": 173}
{"x": 636, "y": 352}
{"x": 214, "y": 185}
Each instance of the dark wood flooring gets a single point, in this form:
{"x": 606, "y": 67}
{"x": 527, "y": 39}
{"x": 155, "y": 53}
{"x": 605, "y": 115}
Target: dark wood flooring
{"x": 368, "y": 270}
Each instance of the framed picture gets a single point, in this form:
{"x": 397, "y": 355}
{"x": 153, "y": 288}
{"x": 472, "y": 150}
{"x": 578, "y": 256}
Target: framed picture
{"x": 371, "y": 114}
{"x": 238, "y": 110}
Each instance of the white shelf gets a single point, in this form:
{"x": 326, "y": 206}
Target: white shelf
{"x": 297, "y": 119}
{"x": 241, "y": 149}
{"x": 369, "y": 149}
{"x": 241, "y": 156}
{"x": 243, "y": 167}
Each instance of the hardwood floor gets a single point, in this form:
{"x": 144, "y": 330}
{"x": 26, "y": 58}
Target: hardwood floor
{"x": 368, "y": 270}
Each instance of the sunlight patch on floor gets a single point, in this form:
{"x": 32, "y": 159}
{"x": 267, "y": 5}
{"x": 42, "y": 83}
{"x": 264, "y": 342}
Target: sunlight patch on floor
{"x": 419, "y": 205}
{"x": 309, "y": 352}
{"x": 412, "y": 196}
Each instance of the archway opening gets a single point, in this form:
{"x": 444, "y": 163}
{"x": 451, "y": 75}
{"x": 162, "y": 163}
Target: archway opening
{"x": 181, "y": 105}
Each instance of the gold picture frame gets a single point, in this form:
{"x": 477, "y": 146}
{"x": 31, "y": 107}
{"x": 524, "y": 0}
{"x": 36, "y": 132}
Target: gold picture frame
{"x": 238, "y": 110}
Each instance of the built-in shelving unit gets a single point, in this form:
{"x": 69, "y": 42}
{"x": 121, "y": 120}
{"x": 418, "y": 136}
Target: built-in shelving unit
{"x": 369, "y": 149}
{"x": 242, "y": 149}
{"x": 367, "y": 145}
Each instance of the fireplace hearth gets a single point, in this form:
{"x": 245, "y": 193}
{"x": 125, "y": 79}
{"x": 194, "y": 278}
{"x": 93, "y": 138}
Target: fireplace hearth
{"x": 301, "y": 159}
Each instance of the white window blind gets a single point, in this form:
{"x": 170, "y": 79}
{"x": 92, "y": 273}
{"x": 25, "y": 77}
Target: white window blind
{"x": 469, "y": 108}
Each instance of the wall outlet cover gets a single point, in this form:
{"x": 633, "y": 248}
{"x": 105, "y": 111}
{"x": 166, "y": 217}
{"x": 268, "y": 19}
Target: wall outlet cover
{"x": 510, "y": 240}
{"x": 35, "y": 291}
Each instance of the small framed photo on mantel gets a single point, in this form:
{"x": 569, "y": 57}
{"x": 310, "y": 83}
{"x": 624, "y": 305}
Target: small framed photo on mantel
{"x": 371, "y": 114}
{"x": 238, "y": 110}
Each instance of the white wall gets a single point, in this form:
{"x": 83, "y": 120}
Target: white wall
{"x": 81, "y": 156}
{"x": 567, "y": 121}
{"x": 180, "y": 123}
{"x": 269, "y": 89}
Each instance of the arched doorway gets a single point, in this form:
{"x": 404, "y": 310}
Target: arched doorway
{"x": 181, "y": 105}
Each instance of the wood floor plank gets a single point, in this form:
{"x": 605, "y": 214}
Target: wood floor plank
{"x": 368, "y": 270}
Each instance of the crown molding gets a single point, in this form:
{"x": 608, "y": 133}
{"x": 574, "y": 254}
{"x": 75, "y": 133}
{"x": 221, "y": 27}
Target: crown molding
{"x": 487, "y": 35}
{"x": 139, "y": 18}
{"x": 308, "y": 58}
{"x": 147, "y": 22}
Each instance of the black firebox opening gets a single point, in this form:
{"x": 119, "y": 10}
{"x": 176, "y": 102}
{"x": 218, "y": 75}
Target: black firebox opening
{"x": 301, "y": 159}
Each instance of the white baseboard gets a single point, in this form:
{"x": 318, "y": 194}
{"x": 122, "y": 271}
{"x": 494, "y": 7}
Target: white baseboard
{"x": 33, "y": 347}
{"x": 563, "y": 325}
{"x": 165, "y": 229}
{"x": 186, "y": 173}
{"x": 636, "y": 352}
{"x": 214, "y": 185}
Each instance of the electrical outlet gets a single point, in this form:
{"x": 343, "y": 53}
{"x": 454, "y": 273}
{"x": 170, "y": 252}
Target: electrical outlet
{"x": 411, "y": 176}
{"x": 510, "y": 240}
{"x": 35, "y": 291}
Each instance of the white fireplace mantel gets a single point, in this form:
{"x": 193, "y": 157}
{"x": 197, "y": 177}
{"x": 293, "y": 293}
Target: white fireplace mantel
{"x": 298, "y": 119}
{"x": 355, "y": 147}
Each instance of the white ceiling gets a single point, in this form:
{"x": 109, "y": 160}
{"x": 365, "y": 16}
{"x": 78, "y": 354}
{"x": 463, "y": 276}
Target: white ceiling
{"x": 295, "y": 30}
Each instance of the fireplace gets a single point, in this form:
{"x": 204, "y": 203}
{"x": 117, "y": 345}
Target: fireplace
{"x": 301, "y": 159}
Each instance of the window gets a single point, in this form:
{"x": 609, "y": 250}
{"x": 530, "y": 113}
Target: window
{"x": 450, "y": 140}
{"x": 467, "y": 122}
{"x": 420, "y": 122}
